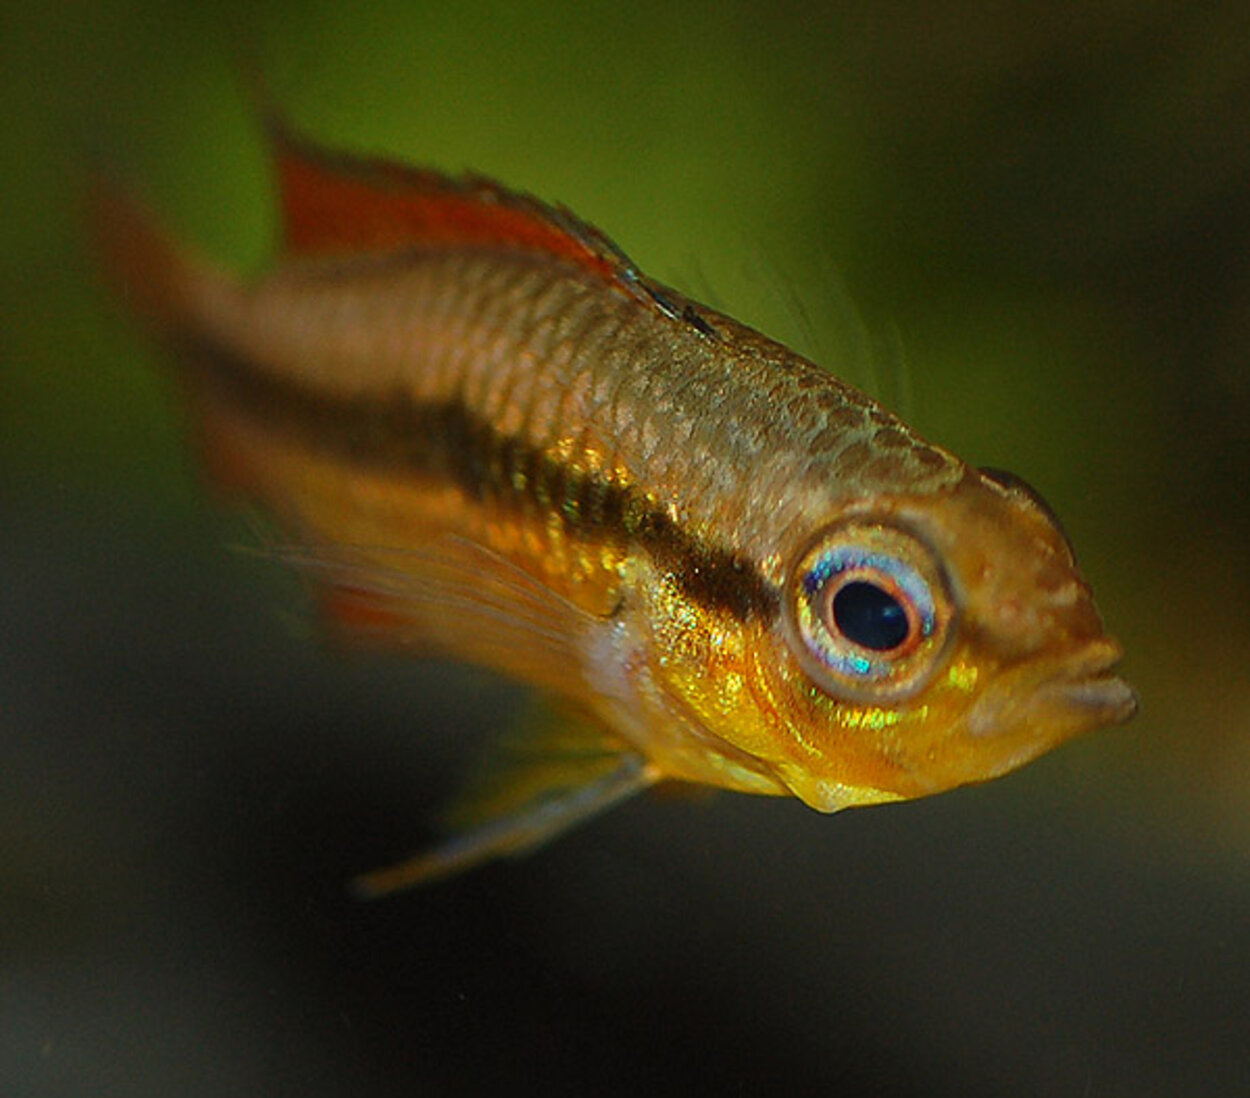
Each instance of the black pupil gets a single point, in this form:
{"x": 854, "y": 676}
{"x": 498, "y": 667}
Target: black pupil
{"x": 869, "y": 616}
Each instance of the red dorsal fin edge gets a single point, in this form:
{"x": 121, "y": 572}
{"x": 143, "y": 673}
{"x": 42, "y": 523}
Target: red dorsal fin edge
{"x": 334, "y": 203}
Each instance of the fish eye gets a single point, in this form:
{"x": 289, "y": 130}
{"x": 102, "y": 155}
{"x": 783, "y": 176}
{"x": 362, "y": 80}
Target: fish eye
{"x": 870, "y": 611}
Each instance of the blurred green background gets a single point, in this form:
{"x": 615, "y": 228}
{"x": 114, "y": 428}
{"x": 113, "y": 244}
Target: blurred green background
{"x": 1028, "y": 223}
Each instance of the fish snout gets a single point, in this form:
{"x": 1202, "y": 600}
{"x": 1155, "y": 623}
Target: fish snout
{"x": 1052, "y": 701}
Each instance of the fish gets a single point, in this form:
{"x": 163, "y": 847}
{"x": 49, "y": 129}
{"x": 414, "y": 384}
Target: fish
{"x": 484, "y": 434}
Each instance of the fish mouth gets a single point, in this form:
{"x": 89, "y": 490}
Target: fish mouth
{"x": 1036, "y": 708}
{"x": 1103, "y": 700}
{"x": 1052, "y": 704}
{"x": 1087, "y": 689}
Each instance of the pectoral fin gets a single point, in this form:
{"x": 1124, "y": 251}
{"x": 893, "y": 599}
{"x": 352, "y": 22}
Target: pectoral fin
{"x": 538, "y": 785}
{"x": 454, "y": 596}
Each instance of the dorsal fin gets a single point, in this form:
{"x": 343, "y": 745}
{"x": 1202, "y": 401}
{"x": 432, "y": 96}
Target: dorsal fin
{"x": 332, "y": 202}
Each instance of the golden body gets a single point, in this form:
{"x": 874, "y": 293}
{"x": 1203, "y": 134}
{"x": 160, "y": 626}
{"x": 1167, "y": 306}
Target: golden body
{"x": 487, "y": 433}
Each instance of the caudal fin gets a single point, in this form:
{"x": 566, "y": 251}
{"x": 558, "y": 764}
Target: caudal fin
{"x": 157, "y": 280}
{"x": 182, "y": 299}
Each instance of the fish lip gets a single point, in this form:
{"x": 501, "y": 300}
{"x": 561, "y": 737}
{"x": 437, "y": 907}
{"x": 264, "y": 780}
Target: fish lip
{"x": 1086, "y": 685}
{"x": 1079, "y": 690}
{"x": 1106, "y": 699}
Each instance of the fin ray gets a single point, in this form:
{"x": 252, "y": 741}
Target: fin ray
{"x": 546, "y": 784}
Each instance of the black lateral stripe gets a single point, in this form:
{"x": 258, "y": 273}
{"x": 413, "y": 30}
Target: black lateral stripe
{"x": 446, "y": 439}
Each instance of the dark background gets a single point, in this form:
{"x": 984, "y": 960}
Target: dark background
{"x": 1028, "y": 224}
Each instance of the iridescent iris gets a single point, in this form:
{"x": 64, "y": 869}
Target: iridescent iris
{"x": 870, "y": 611}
